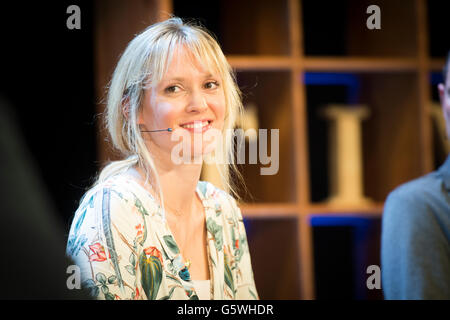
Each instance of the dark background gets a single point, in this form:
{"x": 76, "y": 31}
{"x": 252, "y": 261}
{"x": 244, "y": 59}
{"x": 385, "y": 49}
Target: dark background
{"x": 47, "y": 76}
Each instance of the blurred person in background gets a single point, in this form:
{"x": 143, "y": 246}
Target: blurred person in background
{"x": 415, "y": 246}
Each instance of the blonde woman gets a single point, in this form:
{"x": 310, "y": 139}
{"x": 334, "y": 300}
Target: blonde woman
{"x": 149, "y": 228}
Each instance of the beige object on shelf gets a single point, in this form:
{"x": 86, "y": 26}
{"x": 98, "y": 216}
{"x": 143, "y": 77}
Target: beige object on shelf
{"x": 249, "y": 120}
{"x": 345, "y": 154}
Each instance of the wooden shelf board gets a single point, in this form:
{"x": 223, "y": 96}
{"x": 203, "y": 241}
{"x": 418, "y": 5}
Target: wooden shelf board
{"x": 278, "y": 210}
{"x": 326, "y": 63}
{"x": 327, "y": 209}
{"x": 268, "y": 210}
{"x": 360, "y": 64}
{"x": 437, "y": 64}
{"x": 261, "y": 62}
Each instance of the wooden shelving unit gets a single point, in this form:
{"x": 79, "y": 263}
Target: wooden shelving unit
{"x": 269, "y": 45}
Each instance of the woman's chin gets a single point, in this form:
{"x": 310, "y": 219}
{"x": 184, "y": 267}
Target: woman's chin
{"x": 198, "y": 156}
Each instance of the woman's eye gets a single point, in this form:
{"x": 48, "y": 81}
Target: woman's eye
{"x": 211, "y": 85}
{"x": 172, "y": 89}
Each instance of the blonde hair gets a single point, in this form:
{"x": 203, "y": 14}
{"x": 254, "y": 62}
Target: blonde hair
{"x": 142, "y": 65}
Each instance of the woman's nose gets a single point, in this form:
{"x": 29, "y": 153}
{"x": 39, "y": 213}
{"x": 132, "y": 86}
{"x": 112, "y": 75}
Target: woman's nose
{"x": 197, "y": 102}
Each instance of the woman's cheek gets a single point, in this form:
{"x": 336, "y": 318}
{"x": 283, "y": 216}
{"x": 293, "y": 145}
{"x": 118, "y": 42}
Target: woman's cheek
{"x": 219, "y": 110}
{"x": 165, "y": 115}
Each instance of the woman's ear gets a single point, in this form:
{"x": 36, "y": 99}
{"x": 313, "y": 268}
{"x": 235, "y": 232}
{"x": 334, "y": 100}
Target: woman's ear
{"x": 126, "y": 108}
{"x": 140, "y": 118}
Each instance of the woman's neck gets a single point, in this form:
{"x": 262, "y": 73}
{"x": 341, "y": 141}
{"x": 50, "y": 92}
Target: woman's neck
{"x": 178, "y": 184}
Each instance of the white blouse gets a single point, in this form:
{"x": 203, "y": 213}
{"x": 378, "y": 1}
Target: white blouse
{"x": 202, "y": 287}
{"x": 123, "y": 245}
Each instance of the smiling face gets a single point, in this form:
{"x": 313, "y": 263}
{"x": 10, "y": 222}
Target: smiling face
{"x": 189, "y": 99}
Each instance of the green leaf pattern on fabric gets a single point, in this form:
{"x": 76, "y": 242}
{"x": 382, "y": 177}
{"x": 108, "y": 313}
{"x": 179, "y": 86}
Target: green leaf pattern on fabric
{"x": 216, "y": 231}
{"x": 170, "y": 242}
{"x": 151, "y": 275}
{"x": 228, "y": 274}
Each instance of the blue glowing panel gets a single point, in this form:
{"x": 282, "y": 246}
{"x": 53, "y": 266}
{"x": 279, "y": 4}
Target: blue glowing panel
{"x": 347, "y": 79}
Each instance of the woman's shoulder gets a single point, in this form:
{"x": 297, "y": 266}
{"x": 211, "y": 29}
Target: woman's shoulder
{"x": 115, "y": 200}
{"x": 119, "y": 195}
{"x": 102, "y": 189}
{"x": 121, "y": 185}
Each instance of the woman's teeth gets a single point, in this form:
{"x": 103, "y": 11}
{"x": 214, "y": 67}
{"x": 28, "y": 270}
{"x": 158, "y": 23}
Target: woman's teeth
{"x": 195, "y": 125}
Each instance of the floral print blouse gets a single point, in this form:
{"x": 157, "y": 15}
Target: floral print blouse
{"x": 123, "y": 246}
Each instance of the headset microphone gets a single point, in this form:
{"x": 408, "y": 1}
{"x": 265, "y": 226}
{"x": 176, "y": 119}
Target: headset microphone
{"x": 168, "y": 129}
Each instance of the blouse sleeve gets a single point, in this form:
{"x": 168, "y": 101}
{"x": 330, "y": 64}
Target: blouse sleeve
{"x": 104, "y": 243}
{"x": 245, "y": 289}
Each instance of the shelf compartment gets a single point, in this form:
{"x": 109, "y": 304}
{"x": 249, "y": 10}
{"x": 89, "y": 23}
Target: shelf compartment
{"x": 256, "y": 28}
{"x": 270, "y": 93}
{"x": 390, "y": 136}
{"x": 355, "y": 243}
{"x": 437, "y": 12}
{"x": 273, "y": 246}
{"x": 339, "y": 29}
